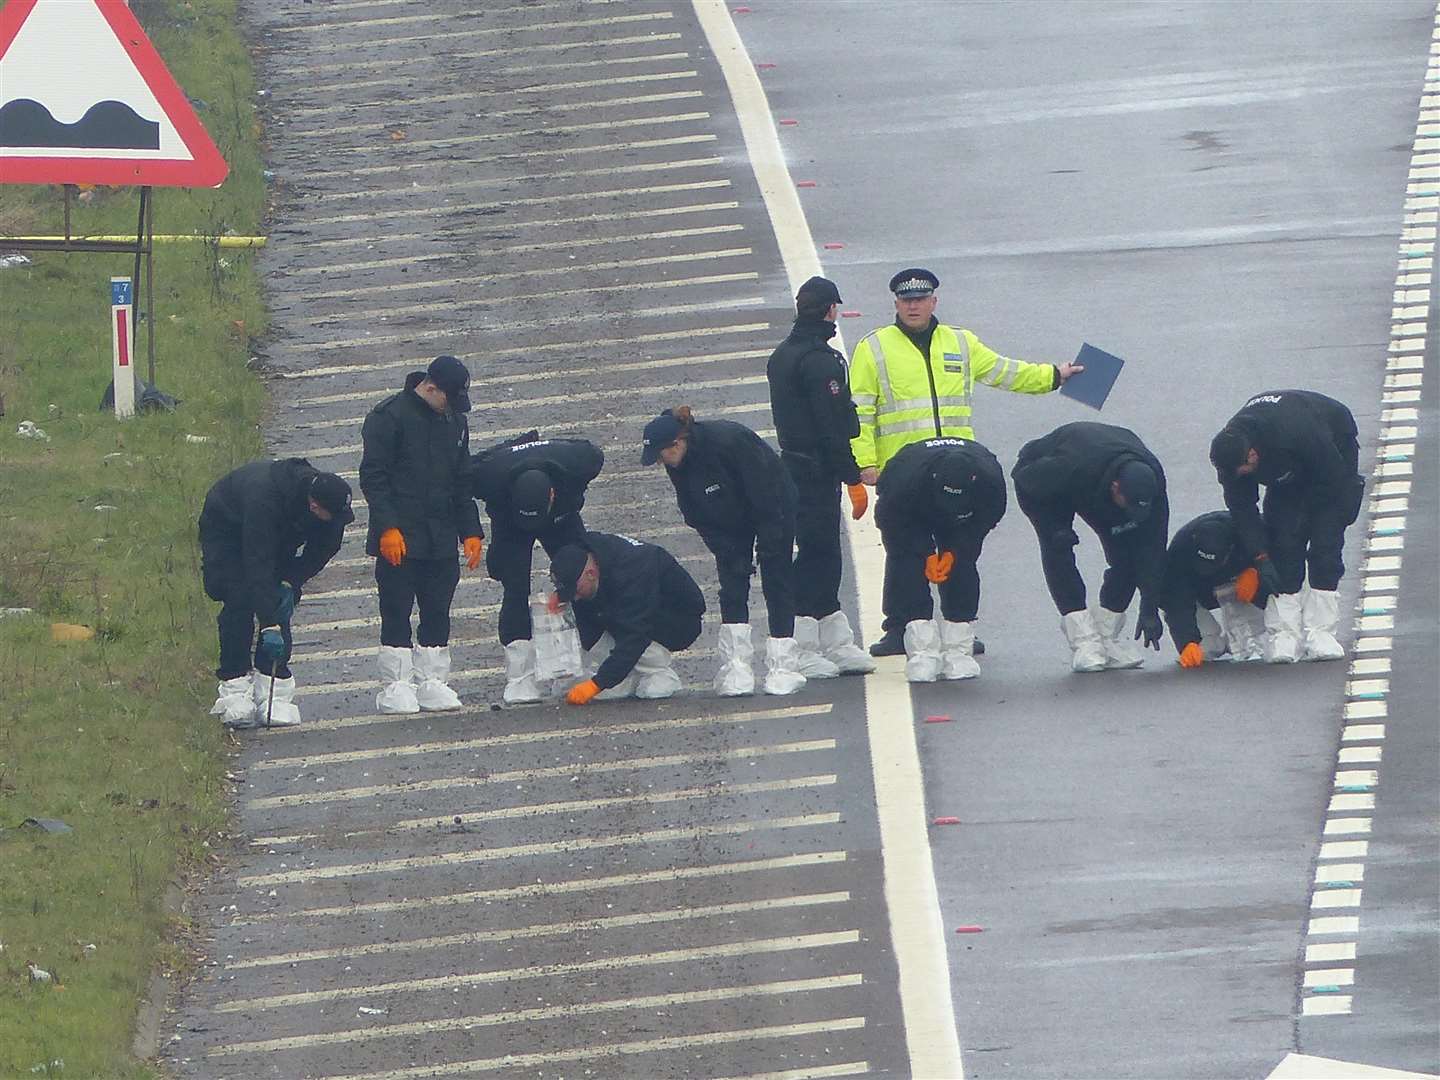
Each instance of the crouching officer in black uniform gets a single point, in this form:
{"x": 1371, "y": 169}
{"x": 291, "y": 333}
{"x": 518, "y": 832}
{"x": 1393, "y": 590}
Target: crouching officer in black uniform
{"x": 1207, "y": 570}
{"x": 634, "y": 598}
{"x": 415, "y": 473}
{"x": 254, "y": 521}
{"x": 733, "y": 491}
{"x": 938, "y": 500}
{"x": 814, "y": 422}
{"x": 533, "y": 489}
{"x": 1304, "y": 448}
{"x": 1106, "y": 475}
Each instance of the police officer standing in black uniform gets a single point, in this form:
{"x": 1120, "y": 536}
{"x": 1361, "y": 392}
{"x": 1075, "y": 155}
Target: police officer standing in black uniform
{"x": 533, "y": 489}
{"x": 1107, "y": 476}
{"x": 1304, "y": 448}
{"x": 937, "y": 501}
{"x": 1207, "y": 570}
{"x": 814, "y": 422}
{"x": 415, "y": 473}
{"x": 253, "y": 522}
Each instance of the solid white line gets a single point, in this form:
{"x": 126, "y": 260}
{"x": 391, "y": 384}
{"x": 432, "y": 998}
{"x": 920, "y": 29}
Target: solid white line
{"x": 912, "y": 901}
{"x": 575, "y": 24}
{"x": 516, "y": 738}
{"x": 445, "y": 783}
{"x": 537, "y": 88}
{"x": 668, "y": 876}
{"x": 608, "y": 963}
{"x": 475, "y": 279}
{"x": 812, "y": 1072}
{"x": 562, "y": 129}
{"x": 336, "y": 269}
{"x": 642, "y": 1046}
{"x": 518, "y": 933}
{"x": 546, "y": 1012}
{"x": 355, "y": 23}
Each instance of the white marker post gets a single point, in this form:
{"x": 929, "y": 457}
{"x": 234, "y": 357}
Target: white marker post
{"x": 122, "y": 296}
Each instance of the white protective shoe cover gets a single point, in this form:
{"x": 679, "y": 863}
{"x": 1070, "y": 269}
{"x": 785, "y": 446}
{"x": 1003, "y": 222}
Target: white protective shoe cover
{"x": 655, "y": 674}
{"x": 432, "y": 678}
{"x": 782, "y": 673}
{"x": 521, "y": 687}
{"x": 235, "y": 701}
{"x": 1282, "y": 628}
{"x": 809, "y": 660}
{"x": 397, "y": 692}
{"x": 1120, "y": 652}
{"x": 957, "y": 650}
{"x": 283, "y": 712}
{"x": 736, "y": 676}
{"x": 595, "y": 657}
{"x": 1245, "y": 630}
{"x": 1319, "y": 615}
{"x": 1213, "y": 639}
{"x": 1086, "y": 651}
{"x": 922, "y": 651}
{"x": 837, "y": 642}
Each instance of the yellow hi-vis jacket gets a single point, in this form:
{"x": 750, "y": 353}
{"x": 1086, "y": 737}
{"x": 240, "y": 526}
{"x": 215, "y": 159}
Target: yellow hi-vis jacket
{"x": 901, "y": 399}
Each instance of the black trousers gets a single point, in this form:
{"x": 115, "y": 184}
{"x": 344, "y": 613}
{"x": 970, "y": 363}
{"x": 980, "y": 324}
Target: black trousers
{"x": 508, "y": 560}
{"x": 817, "y": 561}
{"x": 220, "y": 569}
{"x": 1058, "y": 540}
{"x": 907, "y": 590}
{"x": 777, "y": 581}
{"x": 1303, "y": 534}
{"x": 428, "y": 583}
{"x": 675, "y": 630}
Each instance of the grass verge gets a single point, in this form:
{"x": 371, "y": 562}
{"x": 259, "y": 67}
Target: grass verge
{"x": 97, "y": 527}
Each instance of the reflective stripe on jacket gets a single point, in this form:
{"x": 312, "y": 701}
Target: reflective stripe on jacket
{"x": 900, "y": 402}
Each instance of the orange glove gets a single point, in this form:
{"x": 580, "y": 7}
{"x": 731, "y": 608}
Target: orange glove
{"x": 938, "y": 566}
{"x": 392, "y": 546}
{"x": 1247, "y": 585}
{"x": 1192, "y": 656}
{"x": 473, "y": 547}
{"x": 859, "y": 500}
{"x": 582, "y": 693}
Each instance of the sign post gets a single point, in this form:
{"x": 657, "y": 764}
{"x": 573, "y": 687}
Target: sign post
{"x": 122, "y": 336}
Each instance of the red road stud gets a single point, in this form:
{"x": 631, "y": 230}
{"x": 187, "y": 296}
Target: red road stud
{"x": 741, "y": 10}
{"x": 833, "y": 247}
{"x": 928, "y": 719}
{"x": 789, "y": 123}
{"x": 969, "y": 929}
{"x": 804, "y": 183}
{"x": 946, "y": 821}
{"x": 764, "y": 67}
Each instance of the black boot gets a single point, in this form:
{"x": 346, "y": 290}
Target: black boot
{"x": 892, "y": 643}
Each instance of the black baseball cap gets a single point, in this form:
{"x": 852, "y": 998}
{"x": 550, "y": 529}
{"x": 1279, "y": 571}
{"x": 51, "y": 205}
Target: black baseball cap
{"x": 1228, "y": 451}
{"x": 450, "y": 375}
{"x": 1140, "y": 486}
{"x": 818, "y": 292}
{"x": 566, "y": 568}
{"x": 659, "y": 433}
{"x": 914, "y": 282}
{"x": 333, "y": 494}
{"x": 530, "y": 499}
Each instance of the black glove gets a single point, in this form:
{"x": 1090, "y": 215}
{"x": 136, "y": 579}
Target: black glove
{"x": 1149, "y": 626}
{"x": 1269, "y": 576}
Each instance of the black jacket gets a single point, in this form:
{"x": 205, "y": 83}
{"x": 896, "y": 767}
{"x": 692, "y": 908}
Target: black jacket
{"x": 1204, "y": 554}
{"x": 810, "y": 399}
{"x": 570, "y": 463}
{"x": 1308, "y": 445}
{"x": 637, "y": 582}
{"x": 907, "y": 490}
{"x": 731, "y": 486}
{"x": 1069, "y": 472}
{"x": 415, "y": 473}
{"x": 261, "y": 513}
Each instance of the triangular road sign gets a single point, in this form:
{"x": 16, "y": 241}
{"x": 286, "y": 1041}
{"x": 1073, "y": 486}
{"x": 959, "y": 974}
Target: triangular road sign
{"x": 86, "y": 99}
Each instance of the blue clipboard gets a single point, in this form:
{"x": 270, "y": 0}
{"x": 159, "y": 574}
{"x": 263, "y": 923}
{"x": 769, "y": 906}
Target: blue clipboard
{"x": 1093, "y": 385}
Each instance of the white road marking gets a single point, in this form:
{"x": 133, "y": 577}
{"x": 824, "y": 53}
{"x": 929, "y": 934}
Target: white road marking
{"x": 592, "y": 46}
{"x": 598, "y": 1051}
{"x": 1356, "y": 778}
{"x": 670, "y": 875}
{"x": 660, "y": 761}
{"x": 1306, "y": 1067}
{"x": 1363, "y": 733}
{"x": 1335, "y": 898}
{"x": 1355, "y": 755}
{"x": 1340, "y": 872}
{"x": 1330, "y": 977}
{"x": 1347, "y": 826}
{"x": 573, "y": 24}
{"x": 608, "y": 963}
{"x": 1365, "y": 710}
{"x": 353, "y": 24}
{"x": 813, "y": 1072}
{"x": 1333, "y": 924}
{"x": 519, "y": 933}
{"x": 1344, "y": 849}
{"x": 1328, "y": 1005}
{"x": 410, "y": 146}
{"x": 912, "y": 901}
{"x": 1329, "y": 952}
{"x": 546, "y": 1012}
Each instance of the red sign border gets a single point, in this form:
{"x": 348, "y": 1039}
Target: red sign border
{"x": 207, "y": 169}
